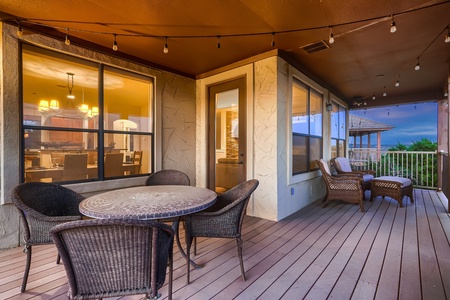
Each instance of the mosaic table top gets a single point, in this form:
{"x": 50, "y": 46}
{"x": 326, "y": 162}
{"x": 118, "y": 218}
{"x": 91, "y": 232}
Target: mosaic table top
{"x": 148, "y": 202}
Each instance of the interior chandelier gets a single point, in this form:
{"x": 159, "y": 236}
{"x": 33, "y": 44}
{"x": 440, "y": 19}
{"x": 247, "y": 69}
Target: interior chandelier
{"x": 52, "y": 107}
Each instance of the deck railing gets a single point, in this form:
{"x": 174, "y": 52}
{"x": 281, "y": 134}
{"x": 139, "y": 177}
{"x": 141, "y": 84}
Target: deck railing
{"x": 420, "y": 166}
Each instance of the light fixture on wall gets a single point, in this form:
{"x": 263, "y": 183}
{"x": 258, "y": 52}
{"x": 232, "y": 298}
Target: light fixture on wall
{"x": 52, "y": 107}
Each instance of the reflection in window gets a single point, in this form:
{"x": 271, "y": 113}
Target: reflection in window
{"x": 307, "y": 113}
{"x": 62, "y": 111}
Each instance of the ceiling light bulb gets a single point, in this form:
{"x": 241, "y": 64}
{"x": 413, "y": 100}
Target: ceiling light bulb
{"x": 373, "y": 97}
{"x": 417, "y": 67}
{"x": 393, "y": 27}
{"x": 447, "y": 38}
{"x": 331, "y": 36}
{"x": 67, "y": 41}
{"x": 166, "y": 47}
{"x": 20, "y": 32}
{"x": 115, "y": 44}
{"x": 397, "y": 83}
{"x": 384, "y": 94}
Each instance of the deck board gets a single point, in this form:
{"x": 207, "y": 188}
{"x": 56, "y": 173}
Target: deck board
{"x": 338, "y": 252}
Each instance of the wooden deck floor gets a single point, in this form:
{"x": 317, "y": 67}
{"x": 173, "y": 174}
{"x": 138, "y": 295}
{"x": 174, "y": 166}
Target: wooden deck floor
{"x": 335, "y": 252}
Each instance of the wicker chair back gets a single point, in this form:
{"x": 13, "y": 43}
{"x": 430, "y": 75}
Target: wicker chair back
{"x": 112, "y": 258}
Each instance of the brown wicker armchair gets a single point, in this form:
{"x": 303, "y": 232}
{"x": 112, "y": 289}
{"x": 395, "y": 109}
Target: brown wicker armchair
{"x": 345, "y": 188}
{"x": 42, "y": 206}
{"x": 222, "y": 220}
{"x": 168, "y": 177}
{"x": 342, "y": 166}
{"x": 111, "y": 258}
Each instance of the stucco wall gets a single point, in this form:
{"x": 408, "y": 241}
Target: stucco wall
{"x": 174, "y": 123}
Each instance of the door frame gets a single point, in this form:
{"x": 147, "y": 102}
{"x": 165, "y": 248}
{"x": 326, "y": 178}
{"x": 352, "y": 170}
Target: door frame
{"x": 235, "y": 83}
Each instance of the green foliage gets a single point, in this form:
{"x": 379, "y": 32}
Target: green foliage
{"x": 423, "y": 145}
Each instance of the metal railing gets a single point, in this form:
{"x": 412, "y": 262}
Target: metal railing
{"x": 419, "y": 166}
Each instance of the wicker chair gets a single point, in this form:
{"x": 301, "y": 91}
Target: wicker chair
{"x": 222, "y": 220}
{"x": 342, "y": 166}
{"x": 168, "y": 177}
{"x": 344, "y": 188}
{"x": 42, "y": 206}
{"x": 112, "y": 258}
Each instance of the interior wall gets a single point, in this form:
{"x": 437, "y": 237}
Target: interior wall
{"x": 174, "y": 129}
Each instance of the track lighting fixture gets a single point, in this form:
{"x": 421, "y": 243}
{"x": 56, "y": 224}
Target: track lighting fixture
{"x": 447, "y": 38}
{"x": 115, "y": 43}
{"x": 393, "y": 27}
{"x": 218, "y": 42}
{"x": 273, "y": 40}
{"x": 166, "y": 47}
{"x": 331, "y": 36}
{"x": 67, "y": 41}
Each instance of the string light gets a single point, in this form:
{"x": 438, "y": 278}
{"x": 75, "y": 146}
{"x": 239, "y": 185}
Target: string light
{"x": 331, "y": 36}
{"x": 67, "y": 41}
{"x": 393, "y": 27}
{"x": 19, "y": 31}
{"x": 218, "y": 42}
{"x": 273, "y": 40}
{"x": 447, "y": 38}
{"x": 115, "y": 48}
{"x": 417, "y": 67}
{"x": 166, "y": 47}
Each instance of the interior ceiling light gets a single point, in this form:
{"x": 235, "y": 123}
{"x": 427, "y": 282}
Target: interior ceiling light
{"x": 218, "y": 42}
{"x": 273, "y": 40}
{"x": 331, "y": 36}
{"x": 393, "y": 27}
{"x": 52, "y": 107}
{"x": 417, "y": 67}
{"x": 447, "y": 38}
{"x": 67, "y": 41}
{"x": 373, "y": 97}
{"x": 115, "y": 43}
{"x": 384, "y": 93}
{"x": 166, "y": 47}
{"x": 397, "y": 83}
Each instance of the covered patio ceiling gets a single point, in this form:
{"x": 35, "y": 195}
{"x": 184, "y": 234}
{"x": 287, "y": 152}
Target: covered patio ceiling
{"x": 364, "y": 61}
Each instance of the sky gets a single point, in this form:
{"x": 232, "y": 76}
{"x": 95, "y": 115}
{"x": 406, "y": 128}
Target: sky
{"x": 411, "y": 122}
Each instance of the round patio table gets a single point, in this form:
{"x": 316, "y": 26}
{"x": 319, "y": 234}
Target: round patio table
{"x": 150, "y": 203}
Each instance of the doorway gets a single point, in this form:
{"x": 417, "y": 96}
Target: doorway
{"x": 227, "y": 135}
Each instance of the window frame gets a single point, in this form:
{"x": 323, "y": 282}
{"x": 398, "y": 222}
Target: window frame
{"x": 310, "y": 165}
{"x": 339, "y": 139}
{"x": 100, "y": 131}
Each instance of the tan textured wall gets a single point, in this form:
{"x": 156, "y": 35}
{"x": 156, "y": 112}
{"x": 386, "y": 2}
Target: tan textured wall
{"x": 174, "y": 123}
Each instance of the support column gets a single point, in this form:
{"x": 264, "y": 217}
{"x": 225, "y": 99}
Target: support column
{"x": 378, "y": 145}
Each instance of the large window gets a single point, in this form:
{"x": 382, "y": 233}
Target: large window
{"x": 77, "y": 111}
{"x": 338, "y": 130}
{"x": 306, "y": 127}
